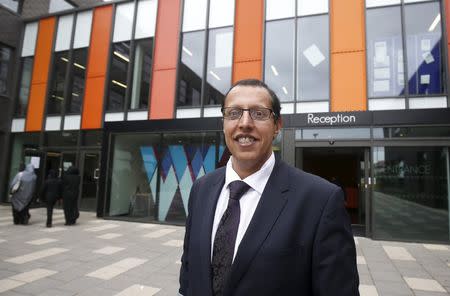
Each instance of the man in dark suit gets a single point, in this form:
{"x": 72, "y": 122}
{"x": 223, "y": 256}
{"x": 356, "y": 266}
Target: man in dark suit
{"x": 281, "y": 232}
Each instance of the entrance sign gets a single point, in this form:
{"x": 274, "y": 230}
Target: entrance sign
{"x": 330, "y": 120}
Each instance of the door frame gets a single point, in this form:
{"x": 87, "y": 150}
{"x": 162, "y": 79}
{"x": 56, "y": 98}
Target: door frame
{"x": 81, "y": 157}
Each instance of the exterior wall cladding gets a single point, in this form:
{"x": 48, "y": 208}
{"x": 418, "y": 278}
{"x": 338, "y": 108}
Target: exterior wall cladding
{"x": 163, "y": 66}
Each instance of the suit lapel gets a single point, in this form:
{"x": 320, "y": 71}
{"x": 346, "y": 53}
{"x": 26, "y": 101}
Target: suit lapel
{"x": 209, "y": 208}
{"x": 266, "y": 214}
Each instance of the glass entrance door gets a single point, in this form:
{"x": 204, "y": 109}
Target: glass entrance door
{"x": 90, "y": 172}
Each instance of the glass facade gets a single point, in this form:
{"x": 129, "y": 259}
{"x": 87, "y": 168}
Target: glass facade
{"x": 299, "y": 70}
{"x": 411, "y": 193}
{"x": 58, "y": 82}
{"x": 419, "y": 66}
{"x": 120, "y": 61}
{"x": 5, "y": 62}
{"x": 24, "y": 87}
{"x": 152, "y": 174}
{"x": 77, "y": 79}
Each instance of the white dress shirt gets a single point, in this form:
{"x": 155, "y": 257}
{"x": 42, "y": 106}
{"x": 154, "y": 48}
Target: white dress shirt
{"x": 248, "y": 202}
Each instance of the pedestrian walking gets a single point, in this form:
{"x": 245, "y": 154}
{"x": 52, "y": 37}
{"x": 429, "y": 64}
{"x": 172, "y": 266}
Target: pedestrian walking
{"x": 71, "y": 184}
{"x": 22, "y": 191}
{"x": 51, "y": 193}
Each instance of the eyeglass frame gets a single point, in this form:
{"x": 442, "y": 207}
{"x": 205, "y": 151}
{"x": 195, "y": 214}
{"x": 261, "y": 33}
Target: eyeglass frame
{"x": 249, "y": 113}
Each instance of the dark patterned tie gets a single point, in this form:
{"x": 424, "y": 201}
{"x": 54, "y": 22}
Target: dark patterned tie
{"x": 226, "y": 237}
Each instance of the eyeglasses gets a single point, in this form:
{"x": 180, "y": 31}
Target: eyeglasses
{"x": 235, "y": 113}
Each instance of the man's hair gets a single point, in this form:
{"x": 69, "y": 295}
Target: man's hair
{"x": 276, "y": 107}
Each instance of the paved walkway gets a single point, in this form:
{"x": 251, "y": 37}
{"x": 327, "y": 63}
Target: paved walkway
{"x": 103, "y": 257}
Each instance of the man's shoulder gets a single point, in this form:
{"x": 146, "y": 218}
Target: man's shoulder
{"x": 212, "y": 176}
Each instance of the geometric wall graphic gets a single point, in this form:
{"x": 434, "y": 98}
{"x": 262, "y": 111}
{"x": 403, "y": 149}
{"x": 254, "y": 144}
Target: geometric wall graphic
{"x": 179, "y": 167}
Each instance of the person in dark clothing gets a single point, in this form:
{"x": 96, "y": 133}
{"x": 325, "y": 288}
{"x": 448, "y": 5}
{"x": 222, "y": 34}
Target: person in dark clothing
{"x": 51, "y": 192}
{"x": 71, "y": 184}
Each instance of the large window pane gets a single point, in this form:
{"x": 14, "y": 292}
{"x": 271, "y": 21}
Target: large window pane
{"x": 118, "y": 76}
{"x": 56, "y": 95}
{"x": 24, "y": 87}
{"x": 29, "y": 39}
{"x": 313, "y": 58}
{"x": 385, "y": 52}
{"x": 5, "y": 62}
{"x": 77, "y": 79}
{"x": 424, "y": 48}
{"x": 279, "y": 58}
{"x": 218, "y": 77}
{"x": 11, "y": 4}
{"x": 191, "y": 69}
{"x": 410, "y": 193}
{"x": 142, "y": 72}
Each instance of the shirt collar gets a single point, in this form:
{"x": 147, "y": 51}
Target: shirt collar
{"x": 257, "y": 181}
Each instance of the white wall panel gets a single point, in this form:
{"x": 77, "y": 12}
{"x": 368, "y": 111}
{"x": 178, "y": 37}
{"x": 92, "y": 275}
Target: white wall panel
{"x": 146, "y": 19}
{"x": 221, "y": 13}
{"x": 194, "y": 15}
{"x": 83, "y": 29}
{"x": 29, "y": 41}
{"x": 123, "y": 22}
{"x": 428, "y": 103}
{"x": 310, "y": 107}
{"x": 188, "y": 113}
{"x": 375, "y": 3}
{"x": 212, "y": 112}
{"x": 18, "y": 125}
{"x": 53, "y": 123}
{"x": 308, "y": 7}
{"x": 118, "y": 116}
{"x": 387, "y": 104}
{"x": 276, "y": 9}
{"x": 72, "y": 122}
{"x": 287, "y": 108}
{"x": 64, "y": 33}
{"x": 137, "y": 115}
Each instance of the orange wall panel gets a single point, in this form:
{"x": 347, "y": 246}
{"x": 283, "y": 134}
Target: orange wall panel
{"x": 96, "y": 68}
{"x": 39, "y": 80}
{"x": 248, "y": 39}
{"x": 163, "y": 86}
{"x": 348, "y": 85}
{"x": 348, "y": 54}
{"x": 162, "y": 98}
{"x": 347, "y": 25}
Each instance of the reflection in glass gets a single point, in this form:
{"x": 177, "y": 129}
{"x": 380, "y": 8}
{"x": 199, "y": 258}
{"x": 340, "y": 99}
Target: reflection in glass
{"x": 313, "y": 58}
{"x": 332, "y": 133}
{"x": 56, "y": 94}
{"x": 279, "y": 58}
{"x": 424, "y": 48}
{"x": 142, "y": 71}
{"x": 218, "y": 73}
{"x": 118, "y": 76}
{"x": 191, "y": 69}
{"x": 77, "y": 81}
{"x": 24, "y": 90}
{"x": 411, "y": 193}
{"x": 385, "y": 52}
{"x": 412, "y": 132}
{"x": 5, "y": 56}
{"x": 60, "y": 139}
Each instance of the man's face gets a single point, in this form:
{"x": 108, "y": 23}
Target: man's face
{"x": 249, "y": 141}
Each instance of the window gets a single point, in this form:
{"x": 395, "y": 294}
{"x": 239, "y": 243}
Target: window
{"x": 131, "y": 90}
{"x": 418, "y": 69}
{"x": 5, "y": 62}
{"x": 279, "y": 60}
{"x": 313, "y": 61}
{"x": 24, "y": 87}
{"x": 385, "y": 52}
{"x": 206, "y": 53}
{"x": 299, "y": 69}
{"x": 10, "y": 4}
{"x": 424, "y": 48}
{"x": 76, "y": 83}
{"x": 56, "y": 94}
{"x": 59, "y": 5}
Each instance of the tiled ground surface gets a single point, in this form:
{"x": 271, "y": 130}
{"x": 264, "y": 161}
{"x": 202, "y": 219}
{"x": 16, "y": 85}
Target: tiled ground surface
{"x": 102, "y": 257}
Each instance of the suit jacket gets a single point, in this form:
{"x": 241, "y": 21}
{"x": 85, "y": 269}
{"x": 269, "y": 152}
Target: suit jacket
{"x": 299, "y": 241}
